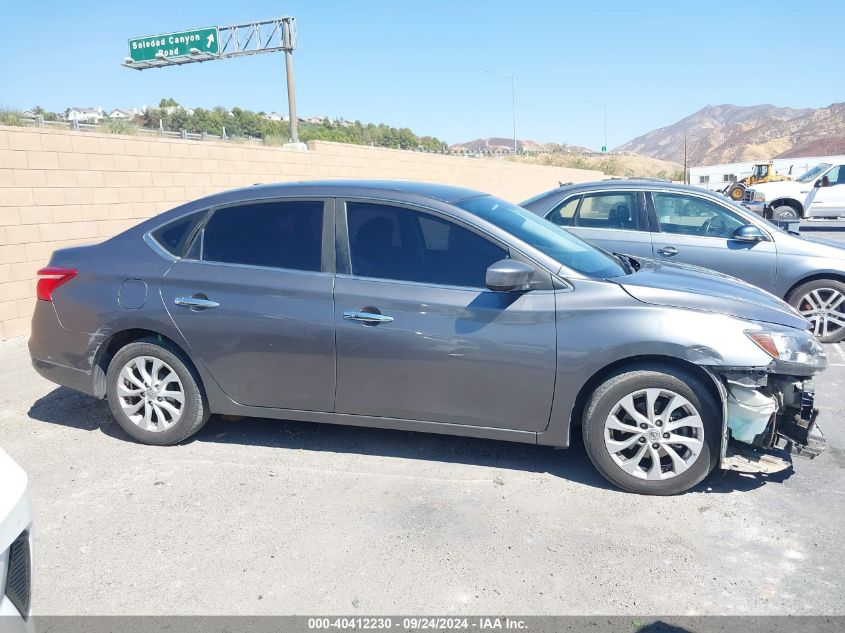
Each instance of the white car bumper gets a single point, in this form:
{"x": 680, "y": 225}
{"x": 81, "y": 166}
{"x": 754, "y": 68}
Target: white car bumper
{"x": 15, "y": 550}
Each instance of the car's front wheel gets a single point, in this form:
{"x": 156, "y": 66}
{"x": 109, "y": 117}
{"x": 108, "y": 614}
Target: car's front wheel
{"x": 785, "y": 212}
{"x": 154, "y": 393}
{"x": 652, "y": 429}
{"x": 822, "y": 303}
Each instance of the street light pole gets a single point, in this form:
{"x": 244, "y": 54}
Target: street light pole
{"x": 513, "y": 101}
{"x": 601, "y": 105}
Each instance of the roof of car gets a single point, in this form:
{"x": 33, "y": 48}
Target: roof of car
{"x": 619, "y": 183}
{"x": 444, "y": 193}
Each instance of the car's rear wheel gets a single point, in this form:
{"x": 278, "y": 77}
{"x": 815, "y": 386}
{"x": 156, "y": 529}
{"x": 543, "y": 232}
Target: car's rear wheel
{"x": 822, "y": 303}
{"x": 154, "y": 393}
{"x": 652, "y": 430}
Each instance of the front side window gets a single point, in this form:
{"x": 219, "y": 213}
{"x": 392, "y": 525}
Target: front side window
{"x": 269, "y": 234}
{"x": 387, "y": 242}
{"x": 690, "y": 215}
{"x": 835, "y": 176}
{"x": 609, "y": 211}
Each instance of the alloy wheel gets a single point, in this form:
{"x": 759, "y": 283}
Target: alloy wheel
{"x": 654, "y": 434}
{"x": 824, "y": 308}
{"x": 150, "y": 393}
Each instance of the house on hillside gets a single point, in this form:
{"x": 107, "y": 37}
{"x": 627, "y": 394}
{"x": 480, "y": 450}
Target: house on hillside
{"x": 122, "y": 115}
{"x": 86, "y": 115}
{"x": 275, "y": 116}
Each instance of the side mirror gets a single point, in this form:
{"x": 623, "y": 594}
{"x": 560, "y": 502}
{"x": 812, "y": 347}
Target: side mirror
{"x": 824, "y": 181}
{"x": 509, "y": 275}
{"x": 748, "y": 233}
{"x": 818, "y": 184}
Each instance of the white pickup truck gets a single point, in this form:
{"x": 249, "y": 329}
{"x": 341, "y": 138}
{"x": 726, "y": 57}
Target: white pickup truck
{"x": 820, "y": 193}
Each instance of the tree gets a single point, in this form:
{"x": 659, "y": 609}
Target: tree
{"x": 170, "y": 102}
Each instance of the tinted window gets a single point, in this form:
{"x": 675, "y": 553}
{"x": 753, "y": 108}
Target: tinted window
{"x": 273, "y": 234}
{"x": 562, "y": 216}
{"x": 553, "y": 241}
{"x": 691, "y": 215}
{"x": 395, "y": 243}
{"x": 609, "y": 211}
{"x": 173, "y": 236}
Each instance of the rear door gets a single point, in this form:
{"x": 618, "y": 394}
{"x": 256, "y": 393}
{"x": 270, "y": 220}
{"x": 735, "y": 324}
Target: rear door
{"x": 254, "y": 301}
{"x": 420, "y": 337}
{"x": 612, "y": 220}
{"x": 696, "y": 230}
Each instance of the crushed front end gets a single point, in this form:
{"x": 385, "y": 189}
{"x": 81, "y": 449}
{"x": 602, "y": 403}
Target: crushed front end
{"x": 771, "y": 410}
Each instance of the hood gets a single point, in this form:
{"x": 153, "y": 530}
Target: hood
{"x": 683, "y": 286}
{"x": 838, "y": 245}
{"x": 773, "y": 190}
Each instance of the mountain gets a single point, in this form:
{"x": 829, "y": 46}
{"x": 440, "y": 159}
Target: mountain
{"x": 730, "y": 133}
{"x": 498, "y": 144}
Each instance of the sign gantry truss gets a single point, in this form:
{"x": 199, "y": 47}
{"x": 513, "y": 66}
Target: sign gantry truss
{"x": 237, "y": 40}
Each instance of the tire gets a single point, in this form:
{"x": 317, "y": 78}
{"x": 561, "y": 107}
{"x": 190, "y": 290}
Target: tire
{"x": 785, "y": 212}
{"x": 153, "y": 414}
{"x": 736, "y": 192}
{"x": 811, "y": 299}
{"x": 700, "y": 434}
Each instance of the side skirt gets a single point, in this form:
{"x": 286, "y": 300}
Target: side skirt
{"x": 462, "y": 430}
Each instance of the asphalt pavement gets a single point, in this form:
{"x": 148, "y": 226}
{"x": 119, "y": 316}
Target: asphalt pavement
{"x": 266, "y": 517}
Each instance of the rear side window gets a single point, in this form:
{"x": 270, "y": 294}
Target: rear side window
{"x": 562, "y": 215}
{"x": 397, "y": 243}
{"x": 609, "y": 211}
{"x": 270, "y": 234}
{"x": 174, "y": 236}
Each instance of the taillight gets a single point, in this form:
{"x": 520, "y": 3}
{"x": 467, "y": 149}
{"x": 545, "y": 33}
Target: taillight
{"x": 51, "y": 278}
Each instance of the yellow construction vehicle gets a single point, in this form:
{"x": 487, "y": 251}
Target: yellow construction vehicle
{"x": 762, "y": 172}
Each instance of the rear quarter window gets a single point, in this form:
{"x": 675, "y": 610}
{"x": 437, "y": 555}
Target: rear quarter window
{"x": 173, "y": 237}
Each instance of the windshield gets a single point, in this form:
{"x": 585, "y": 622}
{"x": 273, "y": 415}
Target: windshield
{"x": 546, "y": 237}
{"x": 815, "y": 171}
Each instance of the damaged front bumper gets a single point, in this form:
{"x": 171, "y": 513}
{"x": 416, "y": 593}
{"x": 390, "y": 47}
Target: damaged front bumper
{"x": 765, "y": 414}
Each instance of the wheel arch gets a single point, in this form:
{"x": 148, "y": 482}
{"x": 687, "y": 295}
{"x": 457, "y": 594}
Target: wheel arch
{"x": 815, "y": 276}
{"x": 790, "y": 202}
{"x": 119, "y": 339}
{"x": 615, "y": 367}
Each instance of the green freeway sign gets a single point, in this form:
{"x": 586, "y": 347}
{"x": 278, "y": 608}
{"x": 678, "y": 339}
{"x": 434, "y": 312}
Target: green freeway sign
{"x": 145, "y": 49}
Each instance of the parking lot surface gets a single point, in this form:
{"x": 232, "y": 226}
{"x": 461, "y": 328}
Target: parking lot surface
{"x": 261, "y": 516}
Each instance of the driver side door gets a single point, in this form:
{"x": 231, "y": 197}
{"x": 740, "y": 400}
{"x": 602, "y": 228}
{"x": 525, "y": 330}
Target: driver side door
{"x": 828, "y": 200}
{"x": 691, "y": 229}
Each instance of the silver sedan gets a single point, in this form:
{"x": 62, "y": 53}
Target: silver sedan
{"x": 685, "y": 224}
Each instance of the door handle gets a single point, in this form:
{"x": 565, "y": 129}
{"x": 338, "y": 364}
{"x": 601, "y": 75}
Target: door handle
{"x": 367, "y": 318}
{"x": 668, "y": 251}
{"x": 196, "y": 302}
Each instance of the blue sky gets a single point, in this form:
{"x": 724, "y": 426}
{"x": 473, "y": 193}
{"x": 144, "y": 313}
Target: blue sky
{"x": 417, "y": 64}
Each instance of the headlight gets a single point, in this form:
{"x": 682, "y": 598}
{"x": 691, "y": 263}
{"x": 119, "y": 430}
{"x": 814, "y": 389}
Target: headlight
{"x": 758, "y": 196}
{"x": 790, "y": 346}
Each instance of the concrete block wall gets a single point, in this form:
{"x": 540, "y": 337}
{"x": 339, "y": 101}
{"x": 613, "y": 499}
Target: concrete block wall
{"x": 62, "y": 188}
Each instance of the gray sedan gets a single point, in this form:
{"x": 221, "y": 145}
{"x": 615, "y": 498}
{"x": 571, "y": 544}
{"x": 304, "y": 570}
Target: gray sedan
{"x": 686, "y": 224}
{"x": 426, "y": 308}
